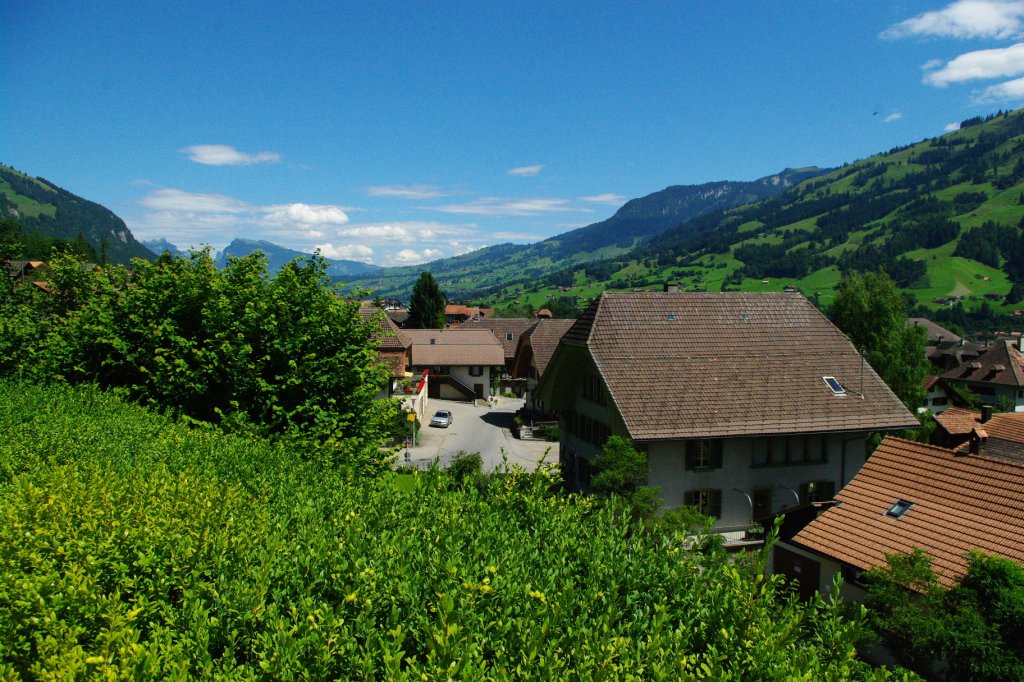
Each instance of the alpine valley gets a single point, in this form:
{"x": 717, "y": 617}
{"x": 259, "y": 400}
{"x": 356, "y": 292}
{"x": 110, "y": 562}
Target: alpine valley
{"x": 942, "y": 217}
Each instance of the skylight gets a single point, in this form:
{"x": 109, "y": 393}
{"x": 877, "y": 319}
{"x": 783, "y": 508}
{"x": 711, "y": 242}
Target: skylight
{"x": 898, "y": 509}
{"x": 833, "y": 383}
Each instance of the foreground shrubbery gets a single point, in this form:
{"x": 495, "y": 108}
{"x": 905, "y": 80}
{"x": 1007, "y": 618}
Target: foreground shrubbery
{"x": 133, "y": 547}
{"x": 278, "y": 355}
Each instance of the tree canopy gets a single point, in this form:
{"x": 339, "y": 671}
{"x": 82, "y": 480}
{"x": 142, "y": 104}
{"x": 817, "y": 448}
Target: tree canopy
{"x": 870, "y": 311}
{"x": 281, "y": 356}
{"x": 426, "y": 307}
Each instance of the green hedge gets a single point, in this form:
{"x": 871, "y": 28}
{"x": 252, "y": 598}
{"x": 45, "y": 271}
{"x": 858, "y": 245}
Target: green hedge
{"x": 133, "y": 547}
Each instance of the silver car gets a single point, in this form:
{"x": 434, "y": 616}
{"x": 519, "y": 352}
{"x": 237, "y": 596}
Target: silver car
{"x": 441, "y": 418}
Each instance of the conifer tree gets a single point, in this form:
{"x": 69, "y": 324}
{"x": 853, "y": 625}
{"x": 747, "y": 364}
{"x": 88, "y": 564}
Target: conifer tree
{"x": 426, "y": 307}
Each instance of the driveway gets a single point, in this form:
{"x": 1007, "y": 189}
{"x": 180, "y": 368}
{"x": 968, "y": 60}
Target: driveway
{"x": 477, "y": 428}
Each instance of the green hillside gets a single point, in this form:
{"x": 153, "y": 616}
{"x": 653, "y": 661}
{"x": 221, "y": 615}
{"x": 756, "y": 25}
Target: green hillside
{"x": 941, "y": 217}
{"x": 42, "y": 208}
{"x": 634, "y": 223}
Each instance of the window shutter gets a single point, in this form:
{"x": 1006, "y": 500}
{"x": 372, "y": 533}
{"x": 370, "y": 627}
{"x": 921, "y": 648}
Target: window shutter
{"x": 688, "y": 498}
{"x": 691, "y": 454}
{"x": 716, "y": 454}
{"x": 716, "y": 504}
{"x": 804, "y": 493}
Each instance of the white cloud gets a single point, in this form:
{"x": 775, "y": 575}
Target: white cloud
{"x": 494, "y": 206}
{"x": 894, "y": 116}
{"x": 178, "y": 200}
{"x": 224, "y": 155}
{"x": 607, "y": 198}
{"x": 306, "y": 214}
{"x": 358, "y": 252}
{"x": 407, "y": 191}
{"x": 1001, "y": 62}
{"x": 964, "y": 19}
{"x": 1003, "y": 92}
{"x": 411, "y": 257}
{"x": 526, "y": 171}
{"x": 951, "y": 127}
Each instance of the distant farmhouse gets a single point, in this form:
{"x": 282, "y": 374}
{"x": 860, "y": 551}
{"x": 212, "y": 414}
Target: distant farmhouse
{"x": 746, "y": 404}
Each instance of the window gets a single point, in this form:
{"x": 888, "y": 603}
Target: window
{"x": 761, "y": 502}
{"x": 837, "y": 388}
{"x": 940, "y": 401}
{"x": 584, "y": 471}
{"x": 898, "y": 509}
{"x": 509, "y": 336}
{"x": 592, "y": 389}
{"x": 703, "y": 454}
{"x": 708, "y": 501}
{"x": 787, "y": 450}
{"x": 817, "y": 491}
{"x": 476, "y": 370}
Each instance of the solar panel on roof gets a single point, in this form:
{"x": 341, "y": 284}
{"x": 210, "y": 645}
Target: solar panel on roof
{"x": 836, "y": 387}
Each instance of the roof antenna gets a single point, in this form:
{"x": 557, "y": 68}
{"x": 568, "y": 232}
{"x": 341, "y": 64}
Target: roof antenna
{"x": 861, "y": 376}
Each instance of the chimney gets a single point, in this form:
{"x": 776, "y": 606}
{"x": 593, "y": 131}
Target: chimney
{"x": 671, "y": 287}
{"x": 986, "y": 413}
{"x": 978, "y": 438}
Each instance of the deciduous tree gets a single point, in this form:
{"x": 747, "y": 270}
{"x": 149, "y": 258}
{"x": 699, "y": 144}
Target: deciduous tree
{"x": 872, "y": 314}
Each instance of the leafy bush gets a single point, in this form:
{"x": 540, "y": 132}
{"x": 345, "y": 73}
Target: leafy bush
{"x": 975, "y": 629}
{"x": 279, "y": 355}
{"x": 135, "y": 547}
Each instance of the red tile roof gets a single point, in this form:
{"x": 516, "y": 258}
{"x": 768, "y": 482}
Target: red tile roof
{"x": 960, "y": 503}
{"x": 698, "y": 365}
{"x": 958, "y": 421}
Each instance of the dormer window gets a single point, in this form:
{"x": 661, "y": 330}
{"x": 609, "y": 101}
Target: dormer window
{"x": 509, "y": 336}
{"x": 899, "y": 508}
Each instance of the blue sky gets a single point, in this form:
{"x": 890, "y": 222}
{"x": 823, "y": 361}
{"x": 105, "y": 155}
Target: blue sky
{"x": 398, "y": 133}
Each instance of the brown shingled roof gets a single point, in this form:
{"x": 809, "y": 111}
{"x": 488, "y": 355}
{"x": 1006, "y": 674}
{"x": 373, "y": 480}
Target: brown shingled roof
{"x": 452, "y": 347}
{"x": 1003, "y": 365}
{"x": 542, "y": 341}
{"x": 960, "y": 503}
{"x": 699, "y": 365}
{"x": 387, "y": 333}
{"x": 501, "y": 327}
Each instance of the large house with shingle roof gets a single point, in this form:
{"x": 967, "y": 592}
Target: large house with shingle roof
{"x": 743, "y": 402}
{"x": 909, "y": 495}
{"x": 461, "y": 364}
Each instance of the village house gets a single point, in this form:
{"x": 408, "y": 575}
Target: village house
{"x": 909, "y": 495}
{"x": 746, "y": 404}
{"x": 999, "y": 435}
{"x": 996, "y": 377}
{"x": 532, "y": 356}
{"x": 392, "y": 348}
{"x": 462, "y": 365}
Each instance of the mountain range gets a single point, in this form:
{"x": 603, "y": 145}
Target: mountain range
{"x": 634, "y": 223}
{"x": 41, "y": 207}
{"x": 942, "y": 217}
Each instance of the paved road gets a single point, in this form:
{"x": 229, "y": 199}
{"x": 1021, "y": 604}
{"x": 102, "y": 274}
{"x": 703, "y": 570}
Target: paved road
{"x": 478, "y": 428}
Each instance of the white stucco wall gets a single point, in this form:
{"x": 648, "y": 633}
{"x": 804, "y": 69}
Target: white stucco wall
{"x": 461, "y": 374}
{"x": 667, "y": 463}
